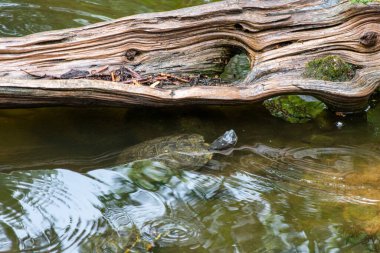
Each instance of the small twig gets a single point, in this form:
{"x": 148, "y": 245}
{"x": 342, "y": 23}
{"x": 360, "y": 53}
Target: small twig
{"x": 133, "y": 73}
{"x": 142, "y": 80}
{"x": 99, "y": 70}
{"x": 174, "y": 77}
{"x": 98, "y": 75}
{"x": 153, "y": 85}
{"x": 135, "y": 82}
{"x": 34, "y": 75}
{"x": 158, "y": 78}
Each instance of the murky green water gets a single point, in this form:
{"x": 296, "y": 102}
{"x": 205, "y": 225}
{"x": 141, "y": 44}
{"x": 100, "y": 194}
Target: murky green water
{"x": 285, "y": 188}
{"x": 310, "y": 187}
{"x": 21, "y": 17}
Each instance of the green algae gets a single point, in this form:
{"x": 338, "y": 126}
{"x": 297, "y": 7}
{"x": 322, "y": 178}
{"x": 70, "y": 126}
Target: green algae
{"x": 295, "y": 109}
{"x": 362, "y": 1}
{"x": 329, "y": 68}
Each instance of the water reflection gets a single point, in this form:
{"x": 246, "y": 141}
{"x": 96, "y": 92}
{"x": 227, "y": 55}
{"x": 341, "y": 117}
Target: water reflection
{"x": 284, "y": 188}
{"x": 39, "y": 205}
{"x": 61, "y": 210}
{"x": 21, "y": 17}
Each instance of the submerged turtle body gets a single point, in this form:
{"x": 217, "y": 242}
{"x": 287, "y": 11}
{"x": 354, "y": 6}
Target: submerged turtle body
{"x": 111, "y": 241}
{"x": 185, "y": 150}
{"x": 178, "y": 151}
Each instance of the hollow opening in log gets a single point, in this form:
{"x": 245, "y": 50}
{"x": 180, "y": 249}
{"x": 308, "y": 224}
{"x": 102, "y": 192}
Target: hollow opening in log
{"x": 214, "y": 60}
{"x": 216, "y": 65}
{"x": 237, "y": 67}
{"x": 207, "y": 65}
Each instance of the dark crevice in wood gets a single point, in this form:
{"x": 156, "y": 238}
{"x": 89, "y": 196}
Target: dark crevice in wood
{"x": 51, "y": 42}
{"x": 130, "y": 54}
{"x": 369, "y": 39}
{"x": 238, "y": 27}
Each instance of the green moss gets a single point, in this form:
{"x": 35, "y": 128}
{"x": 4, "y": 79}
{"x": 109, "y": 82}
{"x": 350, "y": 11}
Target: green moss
{"x": 362, "y": 1}
{"x": 329, "y": 68}
{"x": 295, "y": 109}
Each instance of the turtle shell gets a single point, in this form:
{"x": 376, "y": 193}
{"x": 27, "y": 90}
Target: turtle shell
{"x": 118, "y": 242}
{"x": 178, "y": 151}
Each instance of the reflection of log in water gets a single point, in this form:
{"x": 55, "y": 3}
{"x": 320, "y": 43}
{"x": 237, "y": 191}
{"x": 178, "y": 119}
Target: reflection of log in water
{"x": 280, "y": 39}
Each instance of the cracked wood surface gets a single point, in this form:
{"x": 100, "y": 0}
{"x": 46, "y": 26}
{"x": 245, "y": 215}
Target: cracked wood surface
{"x": 279, "y": 37}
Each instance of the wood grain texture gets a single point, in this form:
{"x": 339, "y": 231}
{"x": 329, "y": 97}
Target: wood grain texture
{"x": 279, "y": 37}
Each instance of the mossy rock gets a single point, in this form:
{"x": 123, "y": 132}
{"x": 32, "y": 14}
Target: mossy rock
{"x": 295, "y": 109}
{"x": 237, "y": 68}
{"x": 329, "y": 68}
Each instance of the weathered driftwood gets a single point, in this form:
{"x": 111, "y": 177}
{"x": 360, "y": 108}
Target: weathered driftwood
{"x": 279, "y": 37}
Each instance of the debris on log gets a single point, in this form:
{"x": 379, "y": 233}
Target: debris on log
{"x": 172, "y": 58}
{"x": 128, "y": 76}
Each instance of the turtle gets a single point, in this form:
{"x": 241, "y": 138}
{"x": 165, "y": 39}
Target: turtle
{"x": 126, "y": 241}
{"x": 179, "y": 151}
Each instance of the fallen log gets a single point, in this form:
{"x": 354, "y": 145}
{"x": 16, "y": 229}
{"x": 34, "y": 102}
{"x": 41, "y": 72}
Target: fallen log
{"x": 279, "y": 37}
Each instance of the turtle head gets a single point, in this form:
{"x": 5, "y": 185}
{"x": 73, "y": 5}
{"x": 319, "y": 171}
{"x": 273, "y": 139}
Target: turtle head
{"x": 226, "y": 141}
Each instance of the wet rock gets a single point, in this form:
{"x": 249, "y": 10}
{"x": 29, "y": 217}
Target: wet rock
{"x": 294, "y": 108}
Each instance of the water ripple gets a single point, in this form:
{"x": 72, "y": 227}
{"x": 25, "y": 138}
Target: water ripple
{"x": 173, "y": 232}
{"x": 44, "y": 213}
{"x": 344, "y": 173}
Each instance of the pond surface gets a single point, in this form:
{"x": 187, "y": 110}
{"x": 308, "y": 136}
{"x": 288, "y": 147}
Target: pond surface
{"x": 21, "y": 17}
{"x": 312, "y": 187}
{"x": 309, "y": 187}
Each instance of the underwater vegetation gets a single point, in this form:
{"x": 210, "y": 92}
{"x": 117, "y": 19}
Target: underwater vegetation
{"x": 295, "y": 109}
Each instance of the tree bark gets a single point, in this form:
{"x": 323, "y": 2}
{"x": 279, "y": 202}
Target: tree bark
{"x": 279, "y": 37}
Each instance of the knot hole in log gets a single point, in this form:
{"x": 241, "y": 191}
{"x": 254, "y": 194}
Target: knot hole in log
{"x": 241, "y": 27}
{"x": 131, "y": 54}
{"x": 369, "y": 39}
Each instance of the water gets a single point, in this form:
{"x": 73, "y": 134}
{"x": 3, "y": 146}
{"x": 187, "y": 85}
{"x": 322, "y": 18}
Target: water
{"x": 285, "y": 187}
{"x": 21, "y": 17}
{"x": 310, "y": 187}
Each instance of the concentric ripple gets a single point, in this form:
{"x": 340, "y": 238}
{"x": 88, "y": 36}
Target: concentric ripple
{"x": 170, "y": 232}
{"x": 43, "y": 212}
